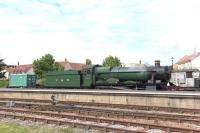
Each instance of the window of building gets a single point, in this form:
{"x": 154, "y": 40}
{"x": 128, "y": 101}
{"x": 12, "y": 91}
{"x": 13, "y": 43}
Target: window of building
{"x": 188, "y": 74}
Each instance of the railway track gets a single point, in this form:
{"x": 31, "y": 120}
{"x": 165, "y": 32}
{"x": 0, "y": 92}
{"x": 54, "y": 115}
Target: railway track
{"x": 138, "y": 115}
{"x": 112, "y": 115}
{"x": 67, "y": 123}
{"x": 104, "y": 105}
{"x": 115, "y": 113}
{"x": 58, "y": 118}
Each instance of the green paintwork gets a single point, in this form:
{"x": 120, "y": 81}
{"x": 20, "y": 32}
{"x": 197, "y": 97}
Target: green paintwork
{"x": 70, "y": 72}
{"x": 22, "y": 80}
{"x": 123, "y": 75}
{"x": 102, "y": 69}
{"x": 134, "y": 76}
{"x": 88, "y": 77}
{"x": 87, "y": 81}
{"x": 112, "y": 81}
{"x": 63, "y": 79}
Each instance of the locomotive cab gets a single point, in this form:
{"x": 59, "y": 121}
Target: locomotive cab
{"x": 87, "y": 77}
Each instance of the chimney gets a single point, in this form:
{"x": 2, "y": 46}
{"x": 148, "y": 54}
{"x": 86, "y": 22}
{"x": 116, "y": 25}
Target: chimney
{"x": 65, "y": 60}
{"x": 140, "y": 61}
{"x": 157, "y": 63}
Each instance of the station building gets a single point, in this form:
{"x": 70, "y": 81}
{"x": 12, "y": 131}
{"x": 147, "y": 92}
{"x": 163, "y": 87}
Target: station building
{"x": 186, "y": 72}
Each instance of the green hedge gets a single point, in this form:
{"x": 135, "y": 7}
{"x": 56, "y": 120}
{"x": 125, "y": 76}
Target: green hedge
{"x": 3, "y": 83}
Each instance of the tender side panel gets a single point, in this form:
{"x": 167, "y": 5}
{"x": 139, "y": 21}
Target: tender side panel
{"x": 64, "y": 79}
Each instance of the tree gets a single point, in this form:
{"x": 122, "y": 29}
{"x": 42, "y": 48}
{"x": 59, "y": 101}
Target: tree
{"x": 44, "y": 64}
{"x": 2, "y": 65}
{"x": 58, "y": 67}
{"x": 111, "y": 61}
{"x": 88, "y": 62}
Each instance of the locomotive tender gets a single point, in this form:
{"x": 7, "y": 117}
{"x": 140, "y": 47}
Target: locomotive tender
{"x": 95, "y": 76}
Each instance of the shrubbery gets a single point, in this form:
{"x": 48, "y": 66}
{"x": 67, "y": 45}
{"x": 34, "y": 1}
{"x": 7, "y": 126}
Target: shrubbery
{"x": 41, "y": 82}
{"x": 3, "y": 83}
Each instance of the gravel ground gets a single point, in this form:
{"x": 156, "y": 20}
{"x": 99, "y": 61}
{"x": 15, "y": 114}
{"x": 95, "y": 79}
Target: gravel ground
{"x": 140, "y": 111}
{"x": 155, "y": 131}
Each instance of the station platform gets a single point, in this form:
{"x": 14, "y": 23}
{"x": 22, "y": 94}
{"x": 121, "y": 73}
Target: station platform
{"x": 175, "y": 99}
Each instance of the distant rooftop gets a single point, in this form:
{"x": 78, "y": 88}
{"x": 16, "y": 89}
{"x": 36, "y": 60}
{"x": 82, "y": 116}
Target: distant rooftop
{"x": 188, "y": 58}
{"x": 19, "y": 69}
{"x": 25, "y": 68}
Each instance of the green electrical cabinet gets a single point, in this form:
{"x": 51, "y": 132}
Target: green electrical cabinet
{"x": 22, "y": 80}
{"x": 63, "y": 79}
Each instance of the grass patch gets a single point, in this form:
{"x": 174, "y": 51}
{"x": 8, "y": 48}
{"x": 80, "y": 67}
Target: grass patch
{"x": 12, "y": 127}
{"x": 3, "y": 83}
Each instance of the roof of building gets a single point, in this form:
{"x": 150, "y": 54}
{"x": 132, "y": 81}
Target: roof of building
{"x": 19, "y": 69}
{"x": 70, "y": 65}
{"x": 25, "y": 68}
{"x": 188, "y": 58}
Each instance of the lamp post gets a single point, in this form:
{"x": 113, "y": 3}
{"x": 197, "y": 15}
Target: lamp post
{"x": 172, "y": 62}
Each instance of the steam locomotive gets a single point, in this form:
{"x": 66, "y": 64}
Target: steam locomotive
{"x": 155, "y": 77}
{"x": 95, "y": 76}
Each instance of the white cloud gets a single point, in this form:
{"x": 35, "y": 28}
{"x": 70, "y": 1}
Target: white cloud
{"x": 180, "y": 19}
{"x": 94, "y": 29}
{"x": 27, "y": 47}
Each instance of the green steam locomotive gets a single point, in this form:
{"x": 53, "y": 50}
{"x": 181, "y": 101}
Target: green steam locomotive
{"x": 98, "y": 76}
{"x": 95, "y": 76}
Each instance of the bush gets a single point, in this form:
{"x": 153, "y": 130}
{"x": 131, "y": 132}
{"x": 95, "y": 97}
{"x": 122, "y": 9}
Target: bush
{"x": 3, "y": 83}
{"x": 41, "y": 81}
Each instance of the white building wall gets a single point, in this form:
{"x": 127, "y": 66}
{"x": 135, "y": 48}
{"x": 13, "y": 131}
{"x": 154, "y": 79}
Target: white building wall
{"x": 180, "y": 79}
{"x": 187, "y": 65}
{"x": 196, "y": 63}
{"x": 7, "y": 75}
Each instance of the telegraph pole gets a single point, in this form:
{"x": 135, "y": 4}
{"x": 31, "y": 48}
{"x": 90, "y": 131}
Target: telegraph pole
{"x": 172, "y": 62}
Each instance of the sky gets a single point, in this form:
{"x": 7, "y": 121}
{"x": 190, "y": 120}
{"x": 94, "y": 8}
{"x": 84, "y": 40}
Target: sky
{"x": 80, "y": 29}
